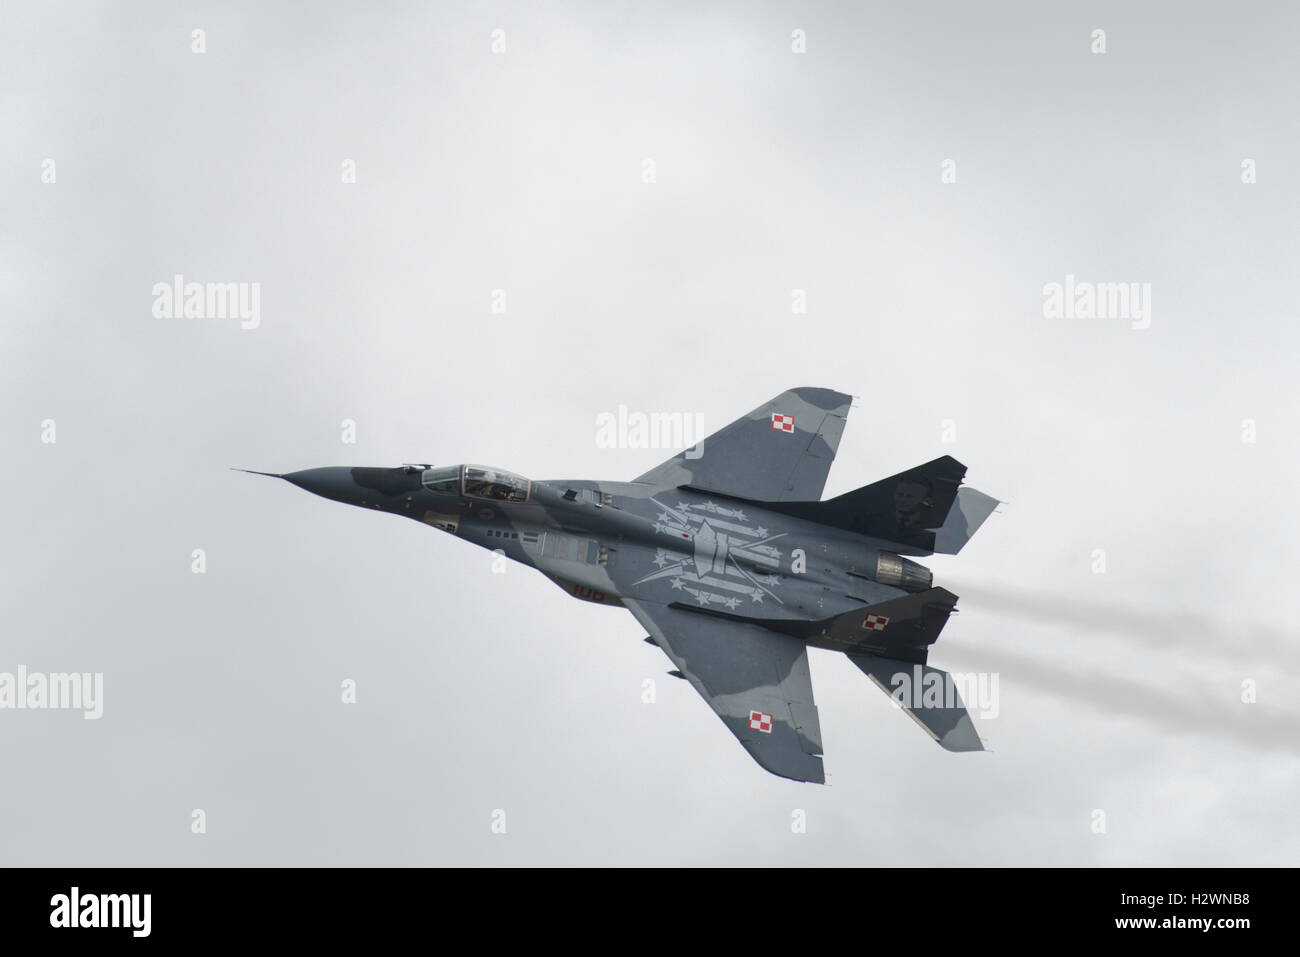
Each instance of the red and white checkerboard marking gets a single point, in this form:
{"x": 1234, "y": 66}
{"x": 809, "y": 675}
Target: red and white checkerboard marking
{"x": 758, "y": 721}
{"x": 875, "y": 622}
{"x": 782, "y": 423}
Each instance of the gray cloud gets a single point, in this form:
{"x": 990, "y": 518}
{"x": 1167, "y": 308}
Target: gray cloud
{"x": 522, "y": 172}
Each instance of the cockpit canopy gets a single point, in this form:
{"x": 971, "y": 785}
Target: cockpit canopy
{"x": 443, "y": 481}
{"x": 477, "y": 481}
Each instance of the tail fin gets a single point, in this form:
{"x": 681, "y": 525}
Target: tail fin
{"x": 913, "y": 509}
{"x": 964, "y": 520}
{"x": 929, "y": 695}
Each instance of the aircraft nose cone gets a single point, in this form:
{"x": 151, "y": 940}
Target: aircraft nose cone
{"x": 333, "y": 483}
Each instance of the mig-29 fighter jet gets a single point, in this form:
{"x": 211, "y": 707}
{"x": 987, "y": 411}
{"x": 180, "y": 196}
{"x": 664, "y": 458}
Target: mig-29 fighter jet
{"x": 729, "y": 559}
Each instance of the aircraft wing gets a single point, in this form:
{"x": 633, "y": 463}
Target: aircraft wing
{"x": 757, "y": 681}
{"x": 782, "y": 451}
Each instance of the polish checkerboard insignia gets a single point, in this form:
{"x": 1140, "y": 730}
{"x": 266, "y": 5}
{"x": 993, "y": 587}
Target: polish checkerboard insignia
{"x": 758, "y": 721}
{"x": 782, "y": 422}
{"x": 875, "y": 622}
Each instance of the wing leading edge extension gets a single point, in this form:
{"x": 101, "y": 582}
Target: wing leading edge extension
{"x": 757, "y": 681}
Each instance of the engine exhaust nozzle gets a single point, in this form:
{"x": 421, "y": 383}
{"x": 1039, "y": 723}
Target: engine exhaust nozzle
{"x": 895, "y": 570}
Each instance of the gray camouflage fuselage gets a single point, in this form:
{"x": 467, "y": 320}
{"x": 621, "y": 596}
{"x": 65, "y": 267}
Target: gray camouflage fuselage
{"x": 729, "y": 558}
{"x": 615, "y": 540}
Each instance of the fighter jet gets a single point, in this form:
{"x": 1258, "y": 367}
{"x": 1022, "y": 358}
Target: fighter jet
{"x": 727, "y": 556}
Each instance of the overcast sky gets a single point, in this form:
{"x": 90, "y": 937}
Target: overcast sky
{"x": 525, "y": 171}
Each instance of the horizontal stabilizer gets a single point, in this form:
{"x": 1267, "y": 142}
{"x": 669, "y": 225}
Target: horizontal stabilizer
{"x": 904, "y": 627}
{"x": 929, "y": 695}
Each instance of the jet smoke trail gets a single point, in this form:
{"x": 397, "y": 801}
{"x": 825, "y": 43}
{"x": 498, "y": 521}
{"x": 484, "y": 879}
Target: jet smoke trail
{"x": 1161, "y": 627}
{"x": 1176, "y": 706}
